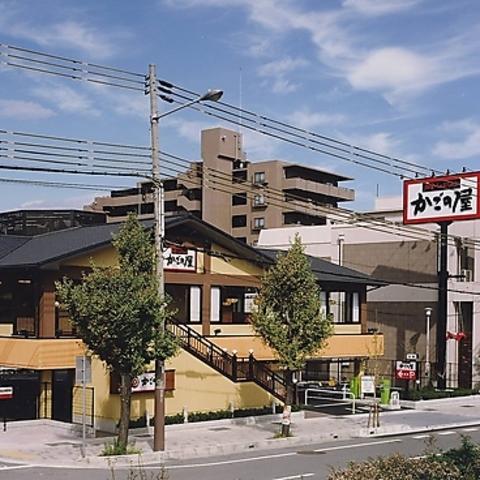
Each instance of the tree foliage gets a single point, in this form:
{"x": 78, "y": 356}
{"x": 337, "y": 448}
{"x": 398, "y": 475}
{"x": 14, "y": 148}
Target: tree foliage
{"x": 288, "y": 312}
{"x": 119, "y": 313}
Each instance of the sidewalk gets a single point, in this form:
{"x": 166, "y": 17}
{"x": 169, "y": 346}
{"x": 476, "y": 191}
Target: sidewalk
{"x": 52, "y": 443}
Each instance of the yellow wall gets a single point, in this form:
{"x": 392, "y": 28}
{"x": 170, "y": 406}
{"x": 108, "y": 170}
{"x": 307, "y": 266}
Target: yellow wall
{"x": 6, "y": 329}
{"x": 197, "y": 387}
{"x": 45, "y": 399}
{"x": 234, "y": 266}
{"x": 103, "y": 257}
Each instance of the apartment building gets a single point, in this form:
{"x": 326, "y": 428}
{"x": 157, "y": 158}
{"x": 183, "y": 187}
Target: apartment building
{"x": 240, "y": 197}
{"x": 408, "y": 263}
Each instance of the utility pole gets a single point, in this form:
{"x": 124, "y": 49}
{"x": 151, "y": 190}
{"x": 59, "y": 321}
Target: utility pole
{"x": 159, "y": 214}
{"x": 428, "y": 316}
{"x": 442, "y": 306}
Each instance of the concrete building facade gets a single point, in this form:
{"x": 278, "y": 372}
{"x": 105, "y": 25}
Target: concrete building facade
{"x": 238, "y": 196}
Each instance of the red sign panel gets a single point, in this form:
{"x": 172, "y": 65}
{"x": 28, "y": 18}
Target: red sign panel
{"x": 406, "y": 370}
{"x": 440, "y": 199}
{"x": 6, "y": 393}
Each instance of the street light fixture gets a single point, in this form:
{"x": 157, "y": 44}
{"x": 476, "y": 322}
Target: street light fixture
{"x": 159, "y": 213}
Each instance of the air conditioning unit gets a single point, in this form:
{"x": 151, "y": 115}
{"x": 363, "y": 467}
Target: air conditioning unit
{"x": 467, "y": 275}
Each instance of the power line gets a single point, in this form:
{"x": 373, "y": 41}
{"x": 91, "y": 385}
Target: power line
{"x": 81, "y": 70}
{"x": 88, "y": 153}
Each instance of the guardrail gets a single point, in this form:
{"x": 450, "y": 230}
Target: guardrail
{"x": 346, "y": 397}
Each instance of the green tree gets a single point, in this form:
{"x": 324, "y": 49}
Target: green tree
{"x": 288, "y": 315}
{"x": 119, "y": 313}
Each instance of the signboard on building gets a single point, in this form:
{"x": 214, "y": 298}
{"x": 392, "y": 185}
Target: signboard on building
{"x": 367, "y": 384}
{"x": 82, "y": 364}
{"x": 6, "y": 393}
{"x": 249, "y": 301}
{"x": 411, "y": 356}
{"x": 144, "y": 382}
{"x": 180, "y": 259}
{"x": 441, "y": 199}
{"x": 406, "y": 370}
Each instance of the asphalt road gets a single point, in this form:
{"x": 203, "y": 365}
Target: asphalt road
{"x": 312, "y": 462}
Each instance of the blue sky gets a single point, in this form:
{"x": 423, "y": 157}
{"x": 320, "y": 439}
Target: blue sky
{"x": 400, "y": 77}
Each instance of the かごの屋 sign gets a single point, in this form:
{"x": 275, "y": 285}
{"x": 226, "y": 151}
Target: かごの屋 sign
{"x": 180, "y": 259}
{"x": 440, "y": 199}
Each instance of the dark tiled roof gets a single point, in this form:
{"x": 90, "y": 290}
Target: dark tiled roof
{"x": 329, "y": 272}
{"x": 8, "y": 243}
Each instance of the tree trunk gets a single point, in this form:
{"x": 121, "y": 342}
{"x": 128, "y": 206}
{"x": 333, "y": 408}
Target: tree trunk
{"x": 287, "y": 408}
{"x": 125, "y": 400}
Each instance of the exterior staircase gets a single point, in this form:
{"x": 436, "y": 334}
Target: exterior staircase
{"x": 237, "y": 369}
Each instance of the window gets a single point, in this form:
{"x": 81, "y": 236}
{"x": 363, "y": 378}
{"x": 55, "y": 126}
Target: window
{"x": 239, "y": 221}
{"x": 186, "y": 302}
{"x": 344, "y": 307}
{"x": 239, "y": 199}
{"x": 242, "y": 239}
{"x": 259, "y": 200}
{"x": 258, "y": 223}
{"x": 232, "y": 304}
{"x": 259, "y": 178}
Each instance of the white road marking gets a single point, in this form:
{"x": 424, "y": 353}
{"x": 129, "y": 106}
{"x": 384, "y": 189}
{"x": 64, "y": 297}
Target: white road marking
{"x": 357, "y": 445}
{"x": 419, "y": 437}
{"x": 293, "y": 477}
{"x": 447, "y": 433}
{"x": 228, "y": 462}
{"x": 473, "y": 429}
{"x": 4, "y": 468}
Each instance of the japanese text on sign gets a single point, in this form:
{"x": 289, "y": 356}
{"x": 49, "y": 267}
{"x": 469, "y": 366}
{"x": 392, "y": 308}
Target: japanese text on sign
{"x": 179, "y": 259}
{"x": 441, "y": 198}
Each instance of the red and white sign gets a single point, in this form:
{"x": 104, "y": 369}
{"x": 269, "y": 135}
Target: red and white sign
{"x": 6, "y": 393}
{"x": 178, "y": 259}
{"x": 144, "y": 383}
{"x": 441, "y": 199}
{"x": 406, "y": 370}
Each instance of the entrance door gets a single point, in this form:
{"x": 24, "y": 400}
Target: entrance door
{"x": 62, "y": 388}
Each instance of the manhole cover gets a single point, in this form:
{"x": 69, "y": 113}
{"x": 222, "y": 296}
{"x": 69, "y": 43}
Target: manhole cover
{"x": 219, "y": 429}
{"x": 143, "y": 435}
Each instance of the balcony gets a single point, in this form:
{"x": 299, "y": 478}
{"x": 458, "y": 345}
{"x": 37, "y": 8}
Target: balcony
{"x": 325, "y": 189}
{"x": 338, "y": 346}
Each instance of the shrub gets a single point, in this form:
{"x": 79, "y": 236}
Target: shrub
{"x": 462, "y": 463}
{"x": 429, "y": 393}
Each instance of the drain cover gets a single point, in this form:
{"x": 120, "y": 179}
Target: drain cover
{"x": 63, "y": 444}
{"x": 219, "y": 429}
{"x": 311, "y": 452}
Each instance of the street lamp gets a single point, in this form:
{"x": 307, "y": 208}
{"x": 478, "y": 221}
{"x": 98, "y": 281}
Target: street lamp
{"x": 428, "y": 316}
{"x": 159, "y": 214}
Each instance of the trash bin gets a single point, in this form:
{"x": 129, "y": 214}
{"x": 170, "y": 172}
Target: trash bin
{"x": 385, "y": 387}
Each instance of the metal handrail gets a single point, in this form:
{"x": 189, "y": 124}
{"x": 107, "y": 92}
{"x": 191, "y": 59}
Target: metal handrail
{"x": 342, "y": 401}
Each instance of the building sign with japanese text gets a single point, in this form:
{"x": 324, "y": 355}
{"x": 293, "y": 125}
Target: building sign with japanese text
{"x": 180, "y": 259}
{"x": 440, "y": 199}
{"x": 406, "y": 370}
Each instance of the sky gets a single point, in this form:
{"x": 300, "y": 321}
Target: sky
{"x": 400, "y": 77}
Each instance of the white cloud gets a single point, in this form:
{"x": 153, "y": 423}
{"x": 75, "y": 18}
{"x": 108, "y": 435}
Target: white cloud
{"x": 68, "y": 33}
{"x": 395, "y": 71}
{"x": 278, "y": 70}
{"x": 309, "y": 120}
{"x": 379, "y": 7}
{"x": 465, "y": 147}
{"x": 66, "y": 99}
{"x": 33, "y": 204}
{"x": 24, "y": 110}
{"x": 390, "y": 69}
{"x": 381, "y": 142}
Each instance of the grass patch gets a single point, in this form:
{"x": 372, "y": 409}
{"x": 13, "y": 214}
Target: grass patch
{"x": 114, "y": 448}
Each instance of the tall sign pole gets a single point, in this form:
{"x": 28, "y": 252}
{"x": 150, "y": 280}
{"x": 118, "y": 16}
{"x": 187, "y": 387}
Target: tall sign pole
{"x": 442, "y": 200}
{"x": 442, "y": 305}
{"x": 159, "y": 214}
